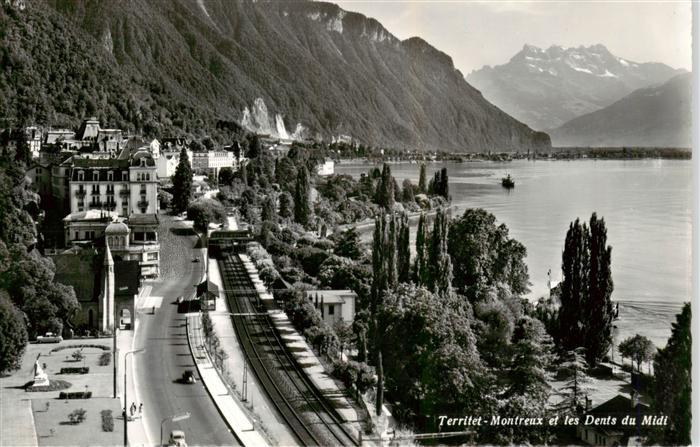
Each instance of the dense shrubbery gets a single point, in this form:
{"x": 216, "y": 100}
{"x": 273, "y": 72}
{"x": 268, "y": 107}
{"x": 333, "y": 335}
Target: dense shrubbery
{"x": 104, "y": 359}
{"x": 107, "y": 420}
{"x": 77, "y": 416}
{"x": 81, "y": 345}
{"x": 75, "y": 395}
{"x": 75, "y": 370}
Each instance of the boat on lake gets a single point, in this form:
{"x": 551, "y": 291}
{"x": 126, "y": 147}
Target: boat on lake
{"x": 507, "y": 182}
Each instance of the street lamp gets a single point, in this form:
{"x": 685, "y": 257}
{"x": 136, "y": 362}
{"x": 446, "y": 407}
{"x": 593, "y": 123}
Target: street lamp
{"x": 126, "y": 416}
{"x": 174, "y": 418}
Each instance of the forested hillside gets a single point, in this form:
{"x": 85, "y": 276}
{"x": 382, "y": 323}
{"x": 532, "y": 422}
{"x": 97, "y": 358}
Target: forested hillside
{"x": 302, "y": 68}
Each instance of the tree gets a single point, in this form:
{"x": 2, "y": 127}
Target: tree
{"x": 302, "y": 210}
{"x": 483, "y": 255}
{"x": 638, "y": 349}
{"x": 348, "y": 244}
{"x": 384, "y": 196}
{"x": 672, "y": 387}
{"x": 439, "y": 185}
{"x": 269, "y": 209}
{"x": 439, "y": 262}
{"x": 13, "y": 334}
{"x": 407, "y": 195}
{"x": 575, "y": 388}
{"x": 586, "y": 312}
{"x": 226, "y": 176}
{"x": 206, "y": 211}
{"x": 422, "y": 180}
{"x": 254, "y": 146}
{"x": 531, "y": 358}
{"x": 286, "y": 205}
{"x": 430, "y": 360}
{"x": 286, "y": 173}
{"x": 420, "y": 270}
{"x": 599, "y": 312}
{"x": 403, "y": 254}
{"x": 182, "y": 183}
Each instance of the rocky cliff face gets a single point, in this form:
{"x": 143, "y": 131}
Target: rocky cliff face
{"x": 546, "y": 88}
{"x": 286, "y": 68}
{"x": 657, "y": 116}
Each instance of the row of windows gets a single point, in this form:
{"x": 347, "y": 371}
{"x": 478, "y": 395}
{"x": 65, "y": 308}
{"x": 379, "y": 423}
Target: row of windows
{"x": 140, "y": 176}
{"x": 110, "y": 188}
{"x": 96, "y": 176}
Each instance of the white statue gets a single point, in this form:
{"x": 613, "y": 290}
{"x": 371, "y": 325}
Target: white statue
{"x": 40, "y": 376}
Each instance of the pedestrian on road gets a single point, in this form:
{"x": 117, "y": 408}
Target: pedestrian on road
{"x": 132, "y": 409}
{"x": 140, "y": 408}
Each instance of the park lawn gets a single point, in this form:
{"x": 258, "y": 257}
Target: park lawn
{"x": 54, "y": 427}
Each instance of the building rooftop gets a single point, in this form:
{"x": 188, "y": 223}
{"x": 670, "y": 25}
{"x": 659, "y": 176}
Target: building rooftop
{"x": 143, "y": 219}
{"x": 105, "y": 163}
{"x": 331, "y": 296}
{"x": 91, "y": 215}
{"x": 618, "y": 405}
{"x": 117, "y": 228}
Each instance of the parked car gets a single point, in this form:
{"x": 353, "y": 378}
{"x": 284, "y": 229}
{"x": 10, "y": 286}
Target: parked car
{"x": 188, "y": 377}
{"x": 195, "y": 259}
{"x": 177, "y": 439}
{"x": 50, "y": 337}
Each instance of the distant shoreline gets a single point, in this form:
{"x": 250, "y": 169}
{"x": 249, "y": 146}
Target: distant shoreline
{"x": 554, "y": 154}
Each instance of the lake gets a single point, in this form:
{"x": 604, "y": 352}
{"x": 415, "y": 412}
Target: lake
{"x": 646, "y": 205}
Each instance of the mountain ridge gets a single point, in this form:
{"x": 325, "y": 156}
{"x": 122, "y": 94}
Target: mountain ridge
{"x": 319, "y": 70}
{"x": 547, "y": 87}
{"x": 655, "y": 116}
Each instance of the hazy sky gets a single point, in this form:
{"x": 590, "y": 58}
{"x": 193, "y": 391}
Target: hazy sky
{"x": 490, "y": 33}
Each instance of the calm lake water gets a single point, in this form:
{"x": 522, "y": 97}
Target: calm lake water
{"x": 646, "y": 205}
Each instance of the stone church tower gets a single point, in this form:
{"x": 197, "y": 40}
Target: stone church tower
{"x": 107, "y": 298}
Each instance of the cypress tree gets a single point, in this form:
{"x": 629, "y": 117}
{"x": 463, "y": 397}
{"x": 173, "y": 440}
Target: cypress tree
{"x": 397, "y": 190}
{"x": 439, "y": 262}
{"x": 390, "y": 258}
{"x": 385, "y": 189}
{"x": 302, "y": 212}
{"x": 182, "y": 183}
{"x": 244, "y": 174}
{"x": 269, "y": 211}
{"x": 420, "y": 271}
{"x": 586, "y": 313}
{"x": 599, "y": 306}
{"x": 285, "y": 205}
{"x": 380, "y": 384}
{"x": 444, "y": 184}
{"x": 378, "y": 273}
{"x": 574, "y": 282}
{"x": 404, "y": 250}
{"x": 422, "y": 181}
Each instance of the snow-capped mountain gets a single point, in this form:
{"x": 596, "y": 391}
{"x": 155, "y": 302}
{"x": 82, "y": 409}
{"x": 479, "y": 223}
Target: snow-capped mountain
{"x": 546, "y": 88}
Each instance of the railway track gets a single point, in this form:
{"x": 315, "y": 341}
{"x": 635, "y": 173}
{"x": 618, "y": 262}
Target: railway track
{"x": 307, "y": 412}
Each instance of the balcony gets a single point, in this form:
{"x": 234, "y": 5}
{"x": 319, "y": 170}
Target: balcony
{"x": 142, "y": 204}
{"x": 95, "y": 205}
{"x": 110, "y": 205}
{"x": 80, "y": 193}
{"x": 124, "y": 193}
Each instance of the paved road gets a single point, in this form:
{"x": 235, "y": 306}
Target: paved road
{"x": 168, "y": 355}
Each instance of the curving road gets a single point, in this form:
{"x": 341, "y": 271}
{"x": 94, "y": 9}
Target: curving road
{"x": 168, "y": 354}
